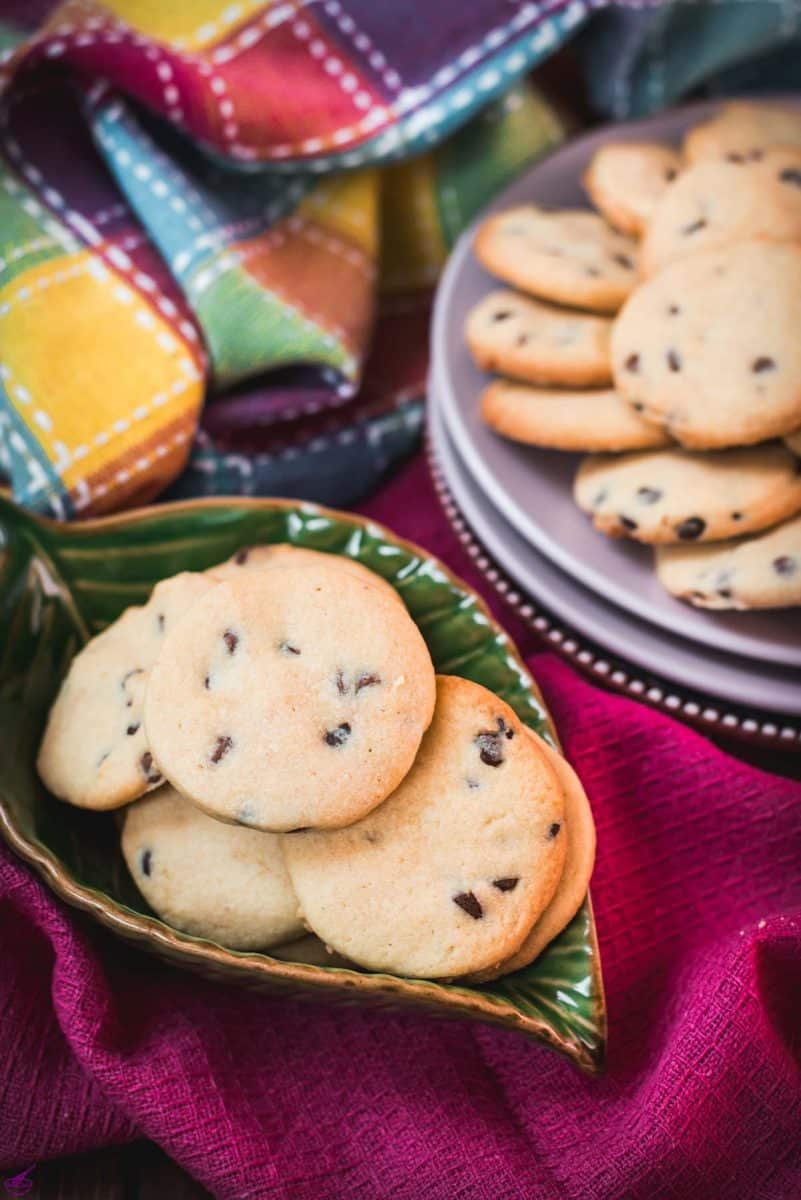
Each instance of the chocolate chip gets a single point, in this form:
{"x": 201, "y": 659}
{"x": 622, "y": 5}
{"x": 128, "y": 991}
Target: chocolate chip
{"x": 698, "y": 595}
{"x": 131, "y": 730}
{"x": 724, "y": 593}
{"x": 490, "y": 749}
{"x": 207, "y": 682}
{"x": 367, "y": 679}
{"x": 763, "y": 364}
{"x": 472, "y": 784}
{"x": 670, "y": 174}
{"x": 469, "y": 904}
{"x": 755, "y": 155}
{"x": 286, "y": 648}
{"x": 649, "y": 495}
{"x": 695, "y": 226}
{"x": 638, "y": 407}
{"x": 160, "y": 622}
{"x": 784, "y": 565}
{"x": 791, "y": 175}
{"x": 231, "y": 640}
{"x": 632, "y": 363}
{"x": 241, "y": 556}
{"x": 627, "y": 523}
{"x": 338, "y": 736}
{"x": 521, "y": 339}
{"x": 507, "y": 884}
{"x": 554, "y": 829}
{"x": 690, "y": 529}
{"x": 146, "y": 763}
{"x": 674, "y": 310}
{"x": 736, "y": 516}
{"x": 624, "y": 261}
{"x": 145, "y": 861}
{"x": 735, "y": 158}
{"x": 342, "y": 686}
{"x": 501, "y": 316}
{"x": 224, "y": 744}
{"x": 673, "y": 360}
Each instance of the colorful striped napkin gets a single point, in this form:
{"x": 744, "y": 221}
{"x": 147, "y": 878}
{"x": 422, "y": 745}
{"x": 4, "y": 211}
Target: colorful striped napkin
{"x": 211, "y": 214}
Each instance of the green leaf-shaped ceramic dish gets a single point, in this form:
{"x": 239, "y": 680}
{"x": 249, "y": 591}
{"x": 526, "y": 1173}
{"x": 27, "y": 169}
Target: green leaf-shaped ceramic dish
{"x": 59, "y": 584}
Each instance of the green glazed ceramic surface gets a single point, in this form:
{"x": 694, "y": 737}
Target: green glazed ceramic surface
{"x": 60, "y": 584}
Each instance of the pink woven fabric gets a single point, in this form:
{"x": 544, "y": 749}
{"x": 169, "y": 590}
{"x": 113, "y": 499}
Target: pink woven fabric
{"x": 698, "y": 898}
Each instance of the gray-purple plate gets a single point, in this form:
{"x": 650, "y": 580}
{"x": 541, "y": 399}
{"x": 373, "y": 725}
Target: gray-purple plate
{"x": 531, "y": 488}
{"x": 667, "y": 670}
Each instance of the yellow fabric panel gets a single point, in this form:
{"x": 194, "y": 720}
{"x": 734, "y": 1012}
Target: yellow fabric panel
{"x": 347, "y": 206}
{"x": 187, "y": 23}
{"x": 89, "y": 365}
{"x": 413, "y": 250}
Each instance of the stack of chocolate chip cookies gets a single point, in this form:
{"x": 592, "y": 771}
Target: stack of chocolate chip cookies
{"x": 290, "y": 762}
{"x": 659, "y": 336}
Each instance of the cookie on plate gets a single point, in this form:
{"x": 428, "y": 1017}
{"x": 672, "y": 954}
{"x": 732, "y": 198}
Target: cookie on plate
{"x": 566, "y": 255}
{"x": 743, "y": 128}
{"x": 94, "y": 752}
{"x": 292, "y": 698}
{"x": 723, "y": 200}
{"x": 709, "y": 347}
{"x": 679, "y": 496}
{"x": 212, "y": 880}
{"x": 537, "y": 342}
{"x": 579, "y": 829}
{"x": 281, "y": 554}
{"x": 626, "y": 179}
{"x": 449, "y": 874}
{"x": 566, "y": 420}
{"x": 763, "y": 571}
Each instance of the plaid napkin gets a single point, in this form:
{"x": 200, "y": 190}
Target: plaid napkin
{"x": 204, "y": 201}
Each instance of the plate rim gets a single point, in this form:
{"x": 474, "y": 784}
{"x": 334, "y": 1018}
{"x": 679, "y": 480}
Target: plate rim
{"x": 712, "y": 636}
{"x": 162, "y": 939}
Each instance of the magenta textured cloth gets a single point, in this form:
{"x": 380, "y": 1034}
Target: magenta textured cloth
{"x": 698, "y": 899}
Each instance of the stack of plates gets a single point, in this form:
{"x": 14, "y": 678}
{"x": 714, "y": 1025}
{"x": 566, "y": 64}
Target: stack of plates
{"x": 596, "y": 598}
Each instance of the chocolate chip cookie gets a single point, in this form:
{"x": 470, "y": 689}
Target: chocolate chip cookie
{"x": 293, "y": 698}
{"x": 579, "y": 829}
{"x": 206, "y": 878}
{"x": 450, "y": 873}
{"x": 625, "y": 180}
{"x": 726, "y": 200}
{"x": 680, "y": 496}
{"x": 763, "y": 571}
{"x": 538, "y": 342}
{"x": 94, "y": 752}
{"x": 567, "y": 420}
{"x": 565, "y": 255}
{"x": 709, "y": 347}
